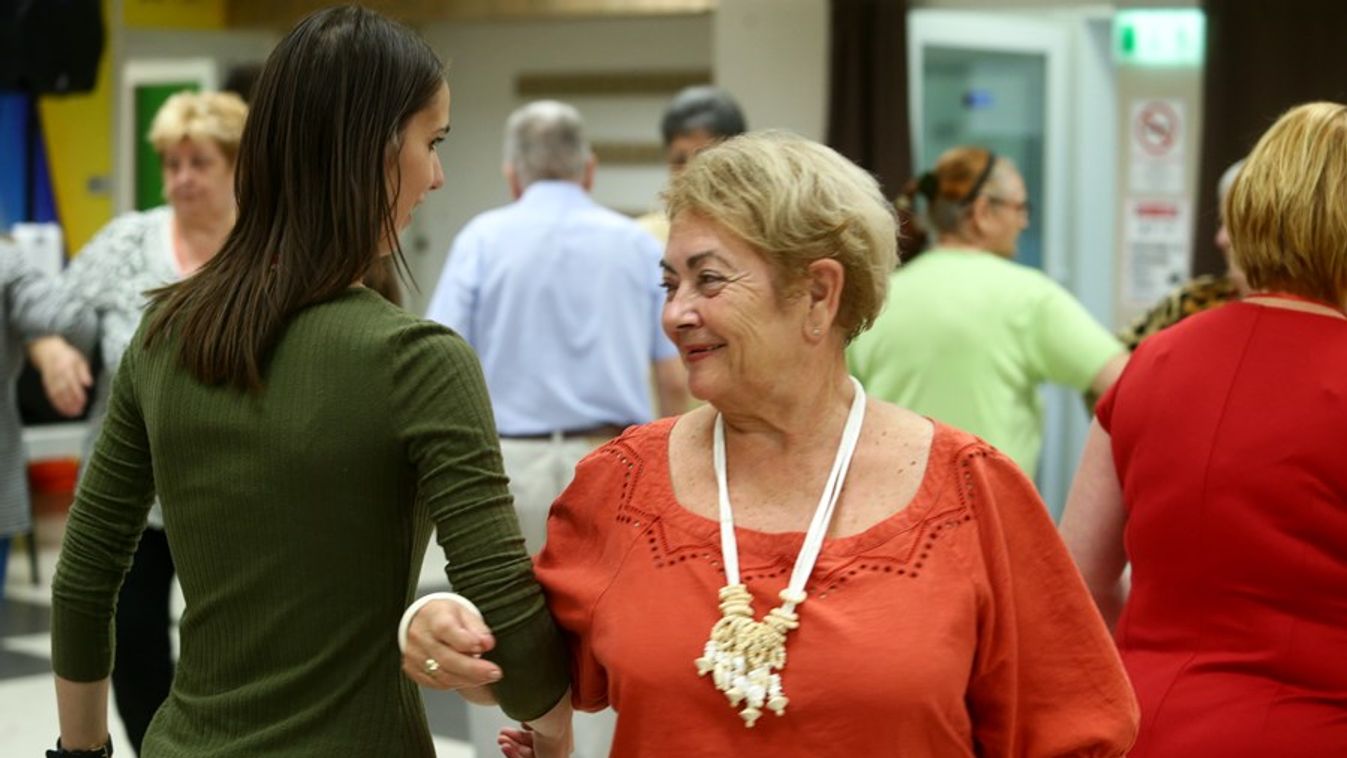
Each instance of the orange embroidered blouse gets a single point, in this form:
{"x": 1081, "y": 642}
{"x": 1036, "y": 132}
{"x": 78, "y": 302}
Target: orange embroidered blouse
{"x": 956, "y": 627}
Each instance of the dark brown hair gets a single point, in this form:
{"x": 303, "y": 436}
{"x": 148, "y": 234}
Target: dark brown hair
{"x": 958, "y": 178}
{"x": 316, "y": 199}
{"x": 383, "y": 279}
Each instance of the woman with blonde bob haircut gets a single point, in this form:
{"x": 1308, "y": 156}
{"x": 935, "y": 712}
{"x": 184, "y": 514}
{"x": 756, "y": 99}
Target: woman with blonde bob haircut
{"x": 794, "y": 569}
{"x": 1230, "y": 498}
{"x": 1288, "y": 211}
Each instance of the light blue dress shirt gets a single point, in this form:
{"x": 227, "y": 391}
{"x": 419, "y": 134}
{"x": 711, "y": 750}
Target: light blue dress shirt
{"x": 561, "y": 299}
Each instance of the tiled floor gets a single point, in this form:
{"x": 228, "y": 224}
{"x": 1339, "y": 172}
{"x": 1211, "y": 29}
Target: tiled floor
{"x": 27, "y": 701}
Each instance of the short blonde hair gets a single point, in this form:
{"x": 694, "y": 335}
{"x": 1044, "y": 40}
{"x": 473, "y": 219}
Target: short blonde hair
{"x": 214, "y": 116}
{"x": 796, "y": 202}
{"x": 1287, "y": 210}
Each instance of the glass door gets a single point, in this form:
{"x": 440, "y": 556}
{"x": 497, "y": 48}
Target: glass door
{"x": 996, "y": 100}
{"x": 1000, "y": 81}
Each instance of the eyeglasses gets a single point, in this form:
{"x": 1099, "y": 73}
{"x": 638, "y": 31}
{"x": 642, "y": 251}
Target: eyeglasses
{"x": 1020, "y": 206}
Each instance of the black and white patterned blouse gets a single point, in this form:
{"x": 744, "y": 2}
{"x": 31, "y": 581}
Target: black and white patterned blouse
{"x": 111, "y": 274}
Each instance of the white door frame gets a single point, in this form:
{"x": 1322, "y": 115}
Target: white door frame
{"x": 996, "y": 32}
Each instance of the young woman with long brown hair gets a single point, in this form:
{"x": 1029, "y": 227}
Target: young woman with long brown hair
{"x": 303, "y": 435}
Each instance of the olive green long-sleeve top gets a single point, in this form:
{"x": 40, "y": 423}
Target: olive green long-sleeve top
{"x": 297, "y": 517}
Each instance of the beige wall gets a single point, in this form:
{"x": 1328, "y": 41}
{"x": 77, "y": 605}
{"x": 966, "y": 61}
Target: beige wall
{"x": 485, "y": 58}
{"x": 773, "y": 55}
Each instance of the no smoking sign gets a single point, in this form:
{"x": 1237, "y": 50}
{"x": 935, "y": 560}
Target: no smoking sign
{"x": 1157, "y": 128}
{"x": 1156, "y": 147}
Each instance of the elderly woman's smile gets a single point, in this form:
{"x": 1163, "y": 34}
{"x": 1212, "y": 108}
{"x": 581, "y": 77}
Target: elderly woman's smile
{"x": 698, "y": 352}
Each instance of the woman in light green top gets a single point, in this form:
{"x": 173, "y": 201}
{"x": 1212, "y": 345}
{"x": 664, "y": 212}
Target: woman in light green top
{"x": 303, "y": 435}
{"x": 968, "y": 335}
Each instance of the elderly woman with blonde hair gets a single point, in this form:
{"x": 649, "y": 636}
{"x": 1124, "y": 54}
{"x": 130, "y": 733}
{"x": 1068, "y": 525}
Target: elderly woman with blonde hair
{"x": 795, "y": 569}
{"x": 1229, "y": 497}
{"x": 197, "y": 136}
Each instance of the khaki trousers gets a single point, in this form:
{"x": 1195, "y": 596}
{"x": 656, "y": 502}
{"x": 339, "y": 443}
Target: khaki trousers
{"x": 539, "y": 470}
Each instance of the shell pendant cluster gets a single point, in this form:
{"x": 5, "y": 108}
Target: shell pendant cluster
{"x": 745, "y": 657}
{"x": 742, "y": 656}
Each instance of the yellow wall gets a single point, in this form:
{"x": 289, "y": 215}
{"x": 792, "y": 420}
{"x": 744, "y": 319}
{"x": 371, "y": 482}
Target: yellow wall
{"x": 174, "y": 14}
{"x": 78, "y": 131}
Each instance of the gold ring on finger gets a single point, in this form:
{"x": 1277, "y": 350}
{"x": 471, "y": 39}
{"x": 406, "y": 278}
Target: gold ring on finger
{"x": 431, "y": 666}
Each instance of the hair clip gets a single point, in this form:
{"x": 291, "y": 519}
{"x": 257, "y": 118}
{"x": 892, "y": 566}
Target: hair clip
{"x": 928, "y": 184}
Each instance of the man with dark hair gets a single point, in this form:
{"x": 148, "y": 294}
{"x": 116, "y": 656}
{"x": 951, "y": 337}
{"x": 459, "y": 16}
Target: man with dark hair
{"x": 695, "y": 119}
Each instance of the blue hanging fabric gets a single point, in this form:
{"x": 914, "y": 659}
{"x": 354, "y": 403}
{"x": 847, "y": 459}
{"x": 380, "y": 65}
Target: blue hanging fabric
{"x": 42, "y": 193}
{"x": 14, "y": 122}
{"x": 26, "y": 191}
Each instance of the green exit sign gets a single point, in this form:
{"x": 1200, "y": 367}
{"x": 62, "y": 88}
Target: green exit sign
{"x": 1160, "y": 37}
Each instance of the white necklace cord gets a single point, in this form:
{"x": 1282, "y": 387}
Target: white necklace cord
{"x": 744, "y": 656}
{"x": 818, "y": 526}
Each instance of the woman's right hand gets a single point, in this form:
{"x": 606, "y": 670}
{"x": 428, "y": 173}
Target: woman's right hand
{"x": 454, "y": 637}
{"x": 516, "y": 743}
{"x": 65, "y": 374}
{"x": 548, "y": 736}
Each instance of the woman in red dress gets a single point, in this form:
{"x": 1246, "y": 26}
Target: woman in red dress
{"x": 1216, "y": 468}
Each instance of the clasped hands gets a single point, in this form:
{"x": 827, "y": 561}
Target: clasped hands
{"x": 454, "y": 636}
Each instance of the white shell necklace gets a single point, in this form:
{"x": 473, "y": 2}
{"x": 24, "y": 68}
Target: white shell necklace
{"x": 743, "y": 656}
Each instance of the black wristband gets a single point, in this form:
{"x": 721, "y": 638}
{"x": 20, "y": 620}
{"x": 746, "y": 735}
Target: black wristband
{"x": 98, "y": 752}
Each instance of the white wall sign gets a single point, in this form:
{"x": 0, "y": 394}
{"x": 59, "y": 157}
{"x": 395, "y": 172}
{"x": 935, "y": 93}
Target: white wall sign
{"x": 1155, "y": 147}
{"x": 1155, "y": 247}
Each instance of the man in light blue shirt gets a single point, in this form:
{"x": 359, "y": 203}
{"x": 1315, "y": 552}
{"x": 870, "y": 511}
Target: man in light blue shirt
{"x": 561, "y": 299}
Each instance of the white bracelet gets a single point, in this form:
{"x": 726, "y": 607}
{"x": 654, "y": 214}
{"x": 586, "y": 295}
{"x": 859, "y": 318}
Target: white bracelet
{"x": 420, "y": 602}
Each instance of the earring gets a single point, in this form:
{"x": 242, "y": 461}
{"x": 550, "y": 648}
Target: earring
{"x": 817, "y": 331}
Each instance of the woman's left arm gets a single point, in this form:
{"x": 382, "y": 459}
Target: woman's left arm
{"x": 101, "y": 536}
{"x": 1047, "y": 679}
{"x": 440, "y": 409}
{"x": 1092, "y": 526}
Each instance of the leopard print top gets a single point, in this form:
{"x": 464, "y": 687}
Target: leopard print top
{"x": 1197, "y": 295}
